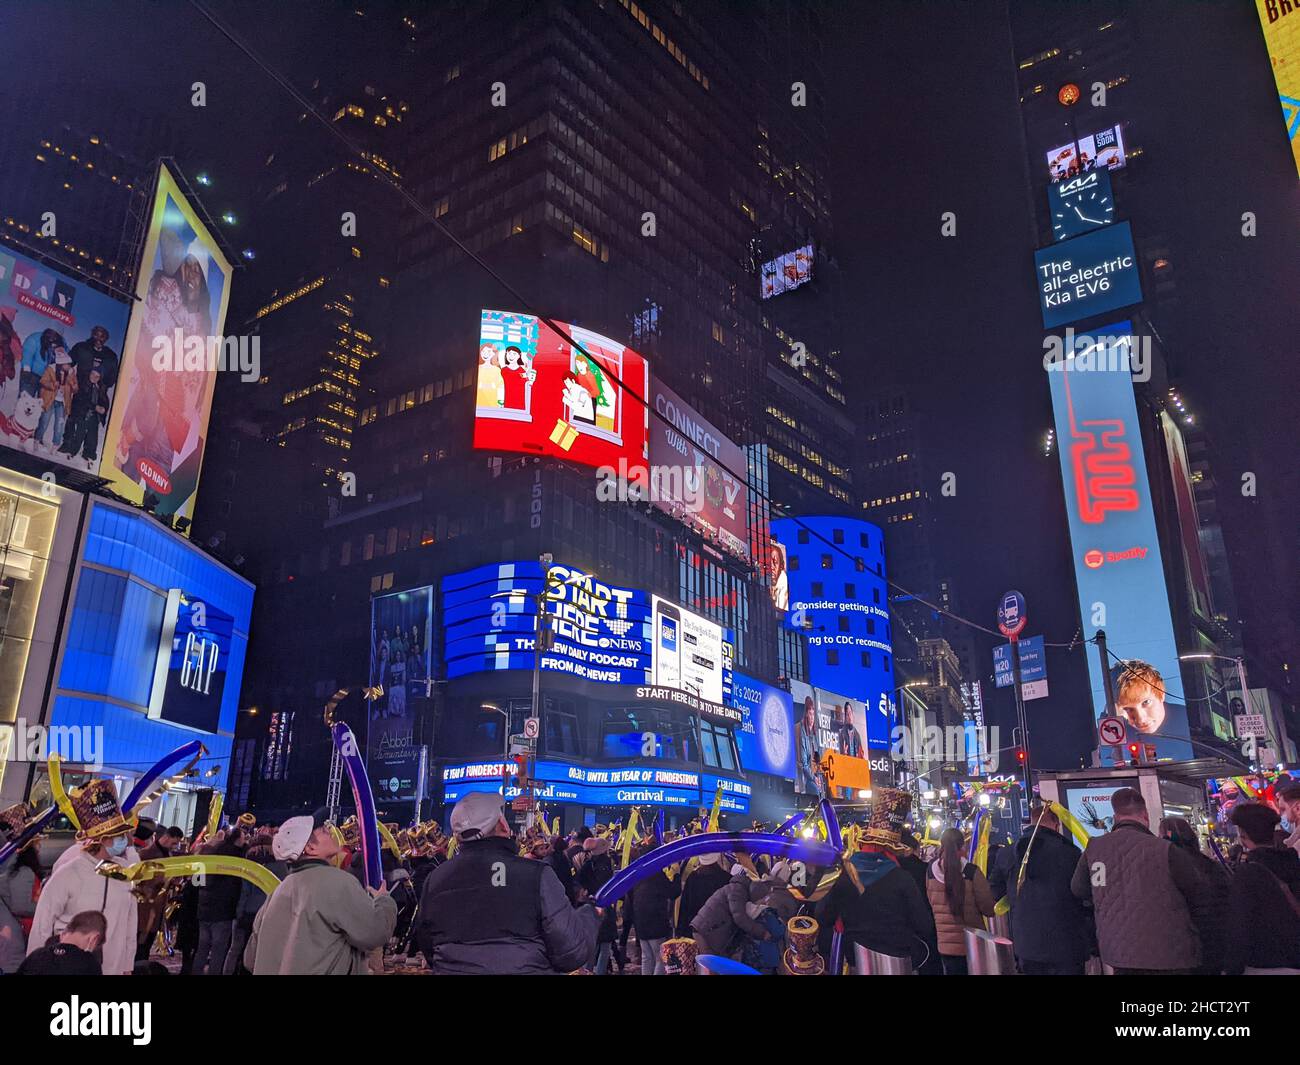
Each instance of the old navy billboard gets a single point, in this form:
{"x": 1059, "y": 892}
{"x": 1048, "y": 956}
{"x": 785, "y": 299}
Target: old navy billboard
{"x": 1117, "y": 563}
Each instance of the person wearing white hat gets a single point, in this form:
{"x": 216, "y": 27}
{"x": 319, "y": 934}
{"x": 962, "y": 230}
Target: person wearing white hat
{"x": 487, "y": 911}
{"x": 320, "y": 921}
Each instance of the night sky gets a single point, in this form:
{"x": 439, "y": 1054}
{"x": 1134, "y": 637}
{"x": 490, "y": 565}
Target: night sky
{"x": 924, "y": 119}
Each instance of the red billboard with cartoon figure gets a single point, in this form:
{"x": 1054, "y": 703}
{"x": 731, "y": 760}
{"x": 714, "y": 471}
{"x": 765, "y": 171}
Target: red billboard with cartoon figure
{"x": 539, "y": 394}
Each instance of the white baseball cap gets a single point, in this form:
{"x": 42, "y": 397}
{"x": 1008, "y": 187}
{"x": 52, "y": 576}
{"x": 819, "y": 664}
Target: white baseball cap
{"x": 292, "y": 837}
{"x": 476, "y": 814}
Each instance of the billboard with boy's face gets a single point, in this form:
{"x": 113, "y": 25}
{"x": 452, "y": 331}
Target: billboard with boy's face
{"x": 1117, "y": 561}
{"x": 539, "y": 394}
{"x": 59, "y": 344}
{"x": 158, "y": 429}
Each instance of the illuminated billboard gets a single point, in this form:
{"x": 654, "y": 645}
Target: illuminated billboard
{"x": 715, "y": 500}
{"x": 401, "y": 648}
{"x": 1080, "y": 204}
{"x": 765, "y": 736}
{"x": 786, "y": 272}
{"x": 824, "y": 723}
{"x": 1103, "y": 150}
{"x": 59, "y": 344}
{"x": 601, "y": 631}
{"x": 1092, "y": 274}
{"x": 193, "y": 658}
{"x": 536, "y": 393}
{"x": 688, "y": 651}
{"x": 1280, "y": 21}
{"x": 1117, "y": 562}
{"x": 158, "y": 428}
{"x": 840, "y": 599}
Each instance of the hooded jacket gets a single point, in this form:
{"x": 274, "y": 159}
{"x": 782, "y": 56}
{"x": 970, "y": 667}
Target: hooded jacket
{"x": 888, "y": 915}
{"x": 977, "y": 903}
{"x": 1048, "y": 924}
{"x": 318, "y": 922}
{"x": 1263, "y": 927}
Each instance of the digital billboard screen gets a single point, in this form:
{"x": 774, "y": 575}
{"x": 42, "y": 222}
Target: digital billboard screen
{"x": 538, "y": 394}
{"x": 688, "y": 450}
{"x": 1091, "y": 274}
{"x": 601, "y": 631}
{"x": 59, "y": 344}
{"x": 765, "y": 735}
{"x": 158, "y": 428}
{"x": 1117, "y": 561}
{"x": 1102, "y": 150}
{"x": 1280, "y": 21}
{"x": 1080, "y": 204}
{"x": 688, "y": 651}
{"x": 786, "y": 272}
{"x": 401, "y": 648}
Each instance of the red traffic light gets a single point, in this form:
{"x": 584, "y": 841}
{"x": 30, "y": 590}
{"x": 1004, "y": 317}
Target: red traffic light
{"x": 1020, "y": 754}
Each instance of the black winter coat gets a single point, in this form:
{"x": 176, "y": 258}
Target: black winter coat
{"x": 219, "y": 896}
{"x": 593, "y": 875}
{"x": 696, "y": 891}
{"x": 890, "y": 916}
{"x": 652, "y": 899}
{"x": 1263, "y": 927}
{"x": 1049, "y": 924}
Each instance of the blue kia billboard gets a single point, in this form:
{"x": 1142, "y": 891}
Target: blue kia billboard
{"x": 1117, "y": 562}
{"x": 1091, "y": 274}
{"x": 839, "y": 598}
{"x": 765, "y": 736}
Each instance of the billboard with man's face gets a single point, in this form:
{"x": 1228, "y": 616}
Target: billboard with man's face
{"x": 59, "y": 341}
{"x": 539, "y": 394}
{"x": 158, "y": 429}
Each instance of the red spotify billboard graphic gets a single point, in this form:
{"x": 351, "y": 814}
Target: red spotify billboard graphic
{"x": 540, "y": 394}
{"x": 1117, "y": 561}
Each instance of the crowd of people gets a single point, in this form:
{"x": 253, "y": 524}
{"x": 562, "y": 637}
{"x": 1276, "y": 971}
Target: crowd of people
{"x": 485, "y": 899}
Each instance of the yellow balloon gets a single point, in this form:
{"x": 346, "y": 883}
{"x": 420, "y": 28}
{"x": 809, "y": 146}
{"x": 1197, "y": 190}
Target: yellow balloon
{"x": 190, "y": 864}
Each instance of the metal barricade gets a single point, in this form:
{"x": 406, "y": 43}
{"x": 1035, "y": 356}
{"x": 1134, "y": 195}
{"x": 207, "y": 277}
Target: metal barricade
{"x": 873, "y": 963}
{"x": 1000, "y": 925}
{"x": 988, "y": 955}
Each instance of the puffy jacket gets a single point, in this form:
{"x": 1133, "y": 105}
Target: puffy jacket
{"x": 1263, "y": 927}
{"x": 881, "y": 907}
{"x": 723, "y": 916}
{"x": 1049, "y": 924}
{"x": 488, "y": 911}
{"x": 1143, "y": 899}
{"x": 318, "y": 922}
{"x": 977, "y": 903}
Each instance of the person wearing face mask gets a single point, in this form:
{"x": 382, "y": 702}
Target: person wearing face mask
{"x": 75, "y": 886}
{"x": 1288, "y": 805}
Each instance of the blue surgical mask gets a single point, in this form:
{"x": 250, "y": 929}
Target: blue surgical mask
{"x": 1287, "y": 826}
{"x": 117, "y": 846}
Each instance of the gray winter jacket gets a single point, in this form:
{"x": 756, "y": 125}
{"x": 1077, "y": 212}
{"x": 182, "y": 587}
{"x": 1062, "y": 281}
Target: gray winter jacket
{"x": 1143, "y": 889}
{"x": 723, "y": 916}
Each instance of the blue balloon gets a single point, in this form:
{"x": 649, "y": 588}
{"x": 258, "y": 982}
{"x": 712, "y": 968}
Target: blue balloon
{"x": 186, "y": 751}
{"x": 811, "y": 852}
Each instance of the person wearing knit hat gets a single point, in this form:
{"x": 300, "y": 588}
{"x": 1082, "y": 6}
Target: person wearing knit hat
{"x": 878, "y": 901}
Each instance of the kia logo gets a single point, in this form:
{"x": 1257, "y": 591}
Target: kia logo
{"x": 1093, "y": 559}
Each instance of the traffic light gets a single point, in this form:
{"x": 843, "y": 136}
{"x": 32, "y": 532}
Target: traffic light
{"x": 1136, "y": 754}
{"x": 521, "y": 771}
{"x": 1020, "y": 755}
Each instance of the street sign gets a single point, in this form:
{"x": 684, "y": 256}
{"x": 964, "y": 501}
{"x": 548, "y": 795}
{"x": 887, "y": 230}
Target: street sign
{"x": 1033, "y": 662}
{"x": 523, "y": 803}
{"x": 1251, "y": 725}
{"x": 1011, "y": 614}
{"x": 1033, "y": 689}
{"x": 1112, "y": 730}
{"x": 532, "y": 726}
